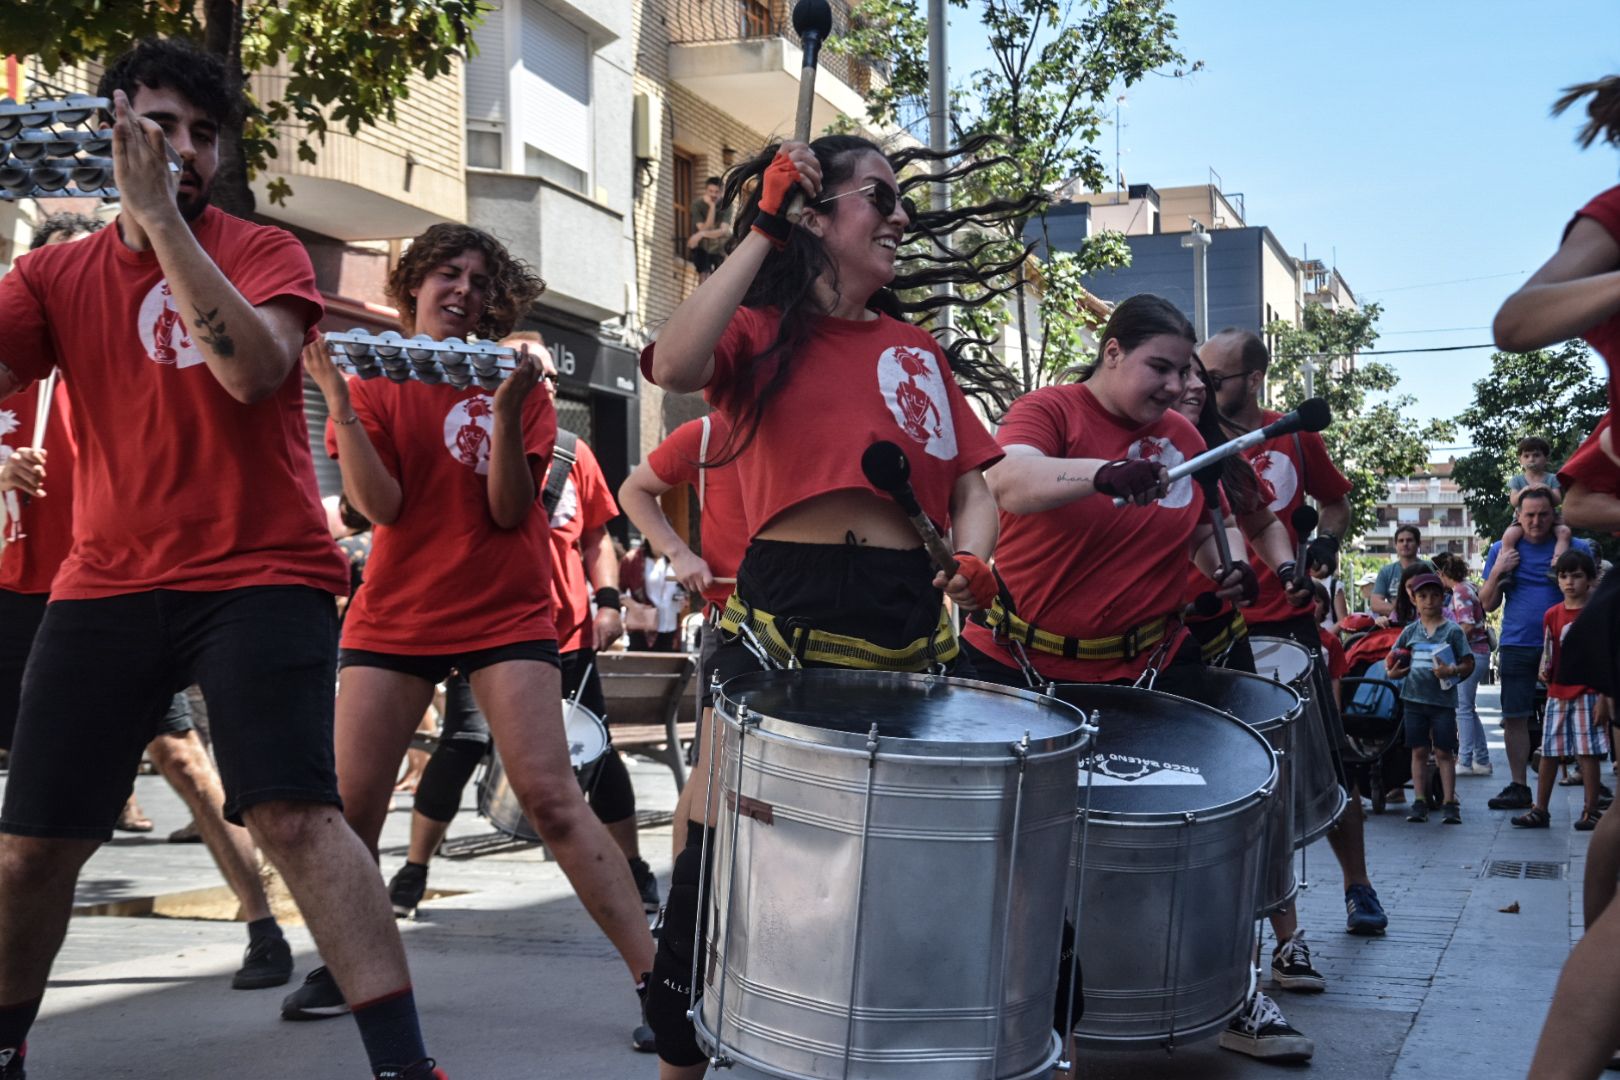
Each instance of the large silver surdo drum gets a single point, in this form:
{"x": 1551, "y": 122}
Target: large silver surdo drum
{"x": 1319, "y": 800}
{"x": 587, "y": 744}
{"x": 1173, "y": 801}
{"x": 1273, "y": 710}
{"x": 888, "y": 876}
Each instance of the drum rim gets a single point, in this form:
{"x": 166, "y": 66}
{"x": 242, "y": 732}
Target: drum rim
{"x": 1310, "y": 655}
{"x": 570, "y": 709}
{"x": 727, "y": 707}
{"x": 1263, "y": 726}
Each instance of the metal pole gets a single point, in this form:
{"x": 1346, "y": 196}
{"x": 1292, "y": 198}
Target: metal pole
{"x": 939, "y": 137}
{"x": 1199, "y": 241}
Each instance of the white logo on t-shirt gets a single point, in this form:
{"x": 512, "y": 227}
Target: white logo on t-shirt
{"x": 469, "y": 429}
{"x": 1279, "y": 482}
{"x": 163, "y": 331}
{"x": 914, "y": 390}
{"x": 1162, "y": 450}
{"x": 567, "y": 504}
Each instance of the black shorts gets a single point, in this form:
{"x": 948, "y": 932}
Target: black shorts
{"x": 436, "y": 667}
{"x": 1239, "y": 654}
{"x": 20, "y": 616}
{"x": 882, "y": 595}
{"x": 1302, "y": 629}
{"x": 104, "y": 672}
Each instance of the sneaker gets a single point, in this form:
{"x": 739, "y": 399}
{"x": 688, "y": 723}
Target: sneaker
{"x": 268, "y": 962}
{"x": 1533, "y": 818}
{"x": 1261, "y": 1031}
{"x": 11, "y": 1062}
{"x": 646, "y": 885}
{"x": 405, "y": 892}
{"x": 1419, "y": 812}
{"x": 1366, "y": 913}
{"x": 426, "y": 1069}
{"x": 642, "y": 1039}
{"x": 1483, "y": 768}
{"x": 1291, "y": 966}
{"x": 1588, "y": 821}
{"x": 318, "y": 999}
{"x": 1512, "y": 797}
{"x": 1453, "y": 813}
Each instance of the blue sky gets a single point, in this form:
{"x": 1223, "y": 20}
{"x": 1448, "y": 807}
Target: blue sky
{"x": 1410, "y": 141}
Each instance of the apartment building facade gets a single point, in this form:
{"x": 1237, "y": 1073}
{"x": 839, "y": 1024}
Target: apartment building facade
{"x": 1433, "y": 502}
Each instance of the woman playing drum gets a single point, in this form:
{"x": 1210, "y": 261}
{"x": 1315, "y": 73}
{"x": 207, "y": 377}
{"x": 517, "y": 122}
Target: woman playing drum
{"x": 785, "y": 340}
{"x": 458, "y": 574}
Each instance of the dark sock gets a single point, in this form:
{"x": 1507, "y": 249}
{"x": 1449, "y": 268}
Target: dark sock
{"x": 266, "y": 927}
{"x": 15, "y": 1020}
{"x": 390, "y": 1030}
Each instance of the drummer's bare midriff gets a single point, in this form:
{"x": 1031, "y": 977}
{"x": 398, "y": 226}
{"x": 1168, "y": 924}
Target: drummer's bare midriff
{"x": 873, "y": 520}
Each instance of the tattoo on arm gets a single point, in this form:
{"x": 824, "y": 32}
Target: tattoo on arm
{"x": 1065, "y": 478}
{"x": 213, "y": 332}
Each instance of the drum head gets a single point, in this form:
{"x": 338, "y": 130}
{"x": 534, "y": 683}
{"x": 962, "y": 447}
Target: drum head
{"x": 587, "y": 735}
{"x": 1280, "y": 659}
{"x": 1157, "y": 754}
{"x": 1257, "y": 701}
{"x": 838, "y": 708}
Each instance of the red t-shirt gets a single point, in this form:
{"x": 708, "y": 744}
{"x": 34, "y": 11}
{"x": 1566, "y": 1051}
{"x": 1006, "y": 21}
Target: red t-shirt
{"x": 45, "y": 526}
{"x": 1590, "y": 467}
{"x": 444, "y": 578}
{"x": 1605, "y": 336}
{"x": 1556, "y": 624}
{"x": 1277, "y": 464}
{"x": 586, "y": 503}
{"x": 855, "y": 382}
{"x": 178, "y": 485}
{"x": 676, "y": 461}
{"x": 1333, "y": 649}
{"x": 1088, "y": 569}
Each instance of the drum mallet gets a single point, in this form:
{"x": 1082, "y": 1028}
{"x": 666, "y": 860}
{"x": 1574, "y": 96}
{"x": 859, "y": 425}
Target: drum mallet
{"x": 42, "y": 416}
{"x": 812, "y": 21}
{"x": 889, "y": 470}
{"x": 1304, "y": 520}
{"x": 1312, "y": 415}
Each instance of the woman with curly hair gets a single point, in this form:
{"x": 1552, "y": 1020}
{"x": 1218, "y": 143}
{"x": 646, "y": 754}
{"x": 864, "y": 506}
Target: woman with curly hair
{"x": 458, "y": 577}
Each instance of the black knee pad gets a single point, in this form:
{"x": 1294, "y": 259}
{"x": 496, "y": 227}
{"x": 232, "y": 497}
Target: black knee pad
{"x": 1068, "y": 969}
{"x": 669, "y": 992}
{"x": 612, "y": 796}
{"x": 438, "y": 793}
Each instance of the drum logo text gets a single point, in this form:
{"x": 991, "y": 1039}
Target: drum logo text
{"x": 1116, "y": 770}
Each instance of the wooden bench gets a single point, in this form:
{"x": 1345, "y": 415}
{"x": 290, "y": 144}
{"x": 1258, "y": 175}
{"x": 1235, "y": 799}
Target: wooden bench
{"x": 652, "y": 701}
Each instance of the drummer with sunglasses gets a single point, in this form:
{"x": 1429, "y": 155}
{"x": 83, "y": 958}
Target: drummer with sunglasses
{"x": 788, "y": 339}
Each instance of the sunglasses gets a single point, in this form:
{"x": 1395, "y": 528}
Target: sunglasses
{"x": 1217, "y": 381}
{"x": 879, "y": 194}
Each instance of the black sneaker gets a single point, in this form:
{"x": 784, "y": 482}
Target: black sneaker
{"x": 646, "y": 885}
{"x": 1261, "y": 1031}
{"x": 268, "y": 962}
{"x": 1419, "y": 812}
{"x": 318, "y": 999}
{"x": 1453, "y": 814}
{"x": 1291, "y": 966}
{"x": 11, "y": 1062}
{"x": 1512, "y": 797}
{"x": 405, "y": 892}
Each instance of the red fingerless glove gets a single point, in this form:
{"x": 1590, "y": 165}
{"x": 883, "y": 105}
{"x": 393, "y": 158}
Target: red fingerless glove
{"x": 775, "y": 186}
{"x": 1127, "y": 479}
{"x": 981, "y": 582}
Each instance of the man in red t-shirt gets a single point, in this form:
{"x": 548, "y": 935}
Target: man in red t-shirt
{"x": 200, "y": 552}
{"x": 1291, "y": 467}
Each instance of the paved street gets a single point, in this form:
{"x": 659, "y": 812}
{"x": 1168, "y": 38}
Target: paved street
{"x": 515, "y": 982}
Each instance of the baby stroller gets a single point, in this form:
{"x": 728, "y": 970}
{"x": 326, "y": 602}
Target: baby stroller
{"x": 1377, "y": 760}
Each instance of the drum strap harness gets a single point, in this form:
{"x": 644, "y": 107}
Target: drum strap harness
{"x": 1218, "y": 646}
{"x": 563, "y": 455}
{"x": 803, "y": 644}
{"x": 1127, "y": 646}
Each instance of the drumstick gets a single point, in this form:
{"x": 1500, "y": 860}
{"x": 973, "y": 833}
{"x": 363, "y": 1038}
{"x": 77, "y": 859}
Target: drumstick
{"x": 1312, "y": 415}
{"x": 573, "y": 702}
{"x": 42, "y": 408}
{"x": 889, "y": 470}
{"x": 812, "y": 21}
{"x": 1304, "y": 520}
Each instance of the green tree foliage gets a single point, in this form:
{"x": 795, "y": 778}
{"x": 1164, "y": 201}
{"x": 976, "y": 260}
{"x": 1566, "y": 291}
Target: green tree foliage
{"x": 1554, "y": 393}
{"x": 1054, "y": 68}
{"x": 347, "y": 61}
{"x": 1370, "y": 440}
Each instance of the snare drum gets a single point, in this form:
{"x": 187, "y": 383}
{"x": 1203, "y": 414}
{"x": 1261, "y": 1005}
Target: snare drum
{"x": 1273, "y": 710}
{"x": 888, "y": 876}
{"x": 1319, "y": 799}
{"x": 587, "y": 744}
{"x": 1174, "y": 803}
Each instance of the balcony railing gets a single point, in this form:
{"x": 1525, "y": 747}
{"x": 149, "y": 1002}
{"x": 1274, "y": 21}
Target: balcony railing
{"x": 701, "y": 22}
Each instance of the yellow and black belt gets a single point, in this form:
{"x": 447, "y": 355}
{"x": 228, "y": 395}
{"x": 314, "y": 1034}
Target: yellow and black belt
{"x": 1126, "y": 646}
{"x": 787, "y": 643}
{"x": 1235, "y": 630}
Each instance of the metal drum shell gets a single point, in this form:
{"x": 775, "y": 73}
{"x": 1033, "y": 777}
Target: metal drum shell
{"x": 1320, "y": 800}
{"x": 1166, "y": 925}
{"x": 498, "y": 803}
{"x": 1273, "y": 709}
{"x": 933, "y": 904}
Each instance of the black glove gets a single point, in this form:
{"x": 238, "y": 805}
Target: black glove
{"x": 1323, "y": 550}
{"x": 1292, "y": 591}
{"x": 1248, "y": 583}
{"x": 1128, "y": 479}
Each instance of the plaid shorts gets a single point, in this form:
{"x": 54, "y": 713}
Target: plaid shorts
{"x": 1571, "y": 728}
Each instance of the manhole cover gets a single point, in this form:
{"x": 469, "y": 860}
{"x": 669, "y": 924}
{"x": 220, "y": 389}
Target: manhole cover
{"x": 1524, "y": 871}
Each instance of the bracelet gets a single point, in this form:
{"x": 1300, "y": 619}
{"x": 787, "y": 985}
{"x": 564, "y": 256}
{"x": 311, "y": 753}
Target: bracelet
{"x": 608, "y": 597}
{"x": 352, "y": 419}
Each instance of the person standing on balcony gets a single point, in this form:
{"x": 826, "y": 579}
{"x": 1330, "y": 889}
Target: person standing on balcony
{"x": 711, "y": 224}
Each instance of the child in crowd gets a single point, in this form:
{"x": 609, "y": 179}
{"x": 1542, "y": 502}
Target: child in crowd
{"x": 1573, "y": 722}
{"x": 1432, "y": 655}
{"x": 1533, "y": 454}
{"x": 1332, "y": 649}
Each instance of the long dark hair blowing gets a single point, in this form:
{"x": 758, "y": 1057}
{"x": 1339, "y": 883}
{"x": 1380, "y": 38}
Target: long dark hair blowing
{"x": 1602, "y": 112}
{"x": 788, "y": 278}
